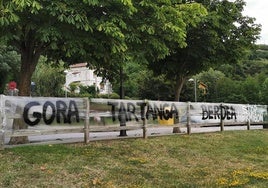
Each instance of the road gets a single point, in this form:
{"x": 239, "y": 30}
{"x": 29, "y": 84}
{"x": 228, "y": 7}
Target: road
{"x": 94, "y": 136}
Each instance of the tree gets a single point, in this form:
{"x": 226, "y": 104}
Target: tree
{"x": 154, "y": 87}
{"x": 244, "y": 82}
{"x": 104, "y": 33}
{"x": 260, "y": 53}
{"x": 222, "y": 37}
{"x": 152, "y": 32}
{"x": 92, "y": 31}
{"x": 251, "y": 89}
{"x": 89, "y": 91}
{"x": 229, "y": 91}
{"x": 9, "y": 66}
{"x": 48, "y": 79}
{"x": 212, "y": 78}
{"x": 264, "y": 91}
{"x": 60, "y": 30}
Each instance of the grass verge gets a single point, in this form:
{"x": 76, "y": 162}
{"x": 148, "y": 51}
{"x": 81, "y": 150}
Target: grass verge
{"x": 224, "y": 159}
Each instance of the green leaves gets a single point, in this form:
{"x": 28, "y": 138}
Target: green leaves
{"x": 100, "y": 31}
{"x": 91, "y": 2}
{"x": 212, "y": 37}
{"x": 7, "y": 16}
{"x": 9, "y": 66}
{"x": 156, "y": 25}
{"x": 192, "y": 13}
{"x": 111, "y": 29}
{"x": 148, "y": 29}
{"x": 32, "y": 6}
{"x": 67, "y": 13}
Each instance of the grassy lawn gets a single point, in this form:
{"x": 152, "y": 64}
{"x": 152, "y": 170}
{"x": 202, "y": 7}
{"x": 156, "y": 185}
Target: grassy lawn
{"x": 224, "y": 159}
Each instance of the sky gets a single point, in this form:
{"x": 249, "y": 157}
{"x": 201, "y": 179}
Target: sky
{"x": 259, "y": 10}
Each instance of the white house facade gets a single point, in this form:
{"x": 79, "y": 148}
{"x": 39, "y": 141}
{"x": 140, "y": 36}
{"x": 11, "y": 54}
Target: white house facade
{"x": 81, "y": 74}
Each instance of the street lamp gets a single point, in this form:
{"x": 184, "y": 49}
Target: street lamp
{"x": 32, "y": 88}
{"x": 194, "y": 80}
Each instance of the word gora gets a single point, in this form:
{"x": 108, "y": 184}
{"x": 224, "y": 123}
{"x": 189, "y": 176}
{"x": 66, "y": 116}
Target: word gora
{"x": 50, "y": 111}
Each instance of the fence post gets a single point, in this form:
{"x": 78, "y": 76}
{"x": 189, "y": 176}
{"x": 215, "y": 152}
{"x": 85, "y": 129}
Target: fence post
{"x": 188, "y": 124}
{"x": 86, "y": 123}
{"x": 222, "y": 122}
{"x": 144, "y": 123}
{"x": 248, "y": 125}
{"x": 144, "y": 128}
{"x": 248, "y": 122}
{"x": 2, "y": 126}
{"x": 2, "y": 139}
{"x": 265, "y": 119}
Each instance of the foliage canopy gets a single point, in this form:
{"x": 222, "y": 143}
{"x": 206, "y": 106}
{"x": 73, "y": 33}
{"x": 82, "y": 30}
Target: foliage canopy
{"x": 100, "y": 32}
{"x": 222, "y": 37}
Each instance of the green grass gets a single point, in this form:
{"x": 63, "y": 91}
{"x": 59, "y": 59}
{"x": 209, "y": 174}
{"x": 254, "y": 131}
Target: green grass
{"x": 224, "y": 159}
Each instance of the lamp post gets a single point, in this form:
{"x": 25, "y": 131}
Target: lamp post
{"x": 194, "y": 80}
{"x": 32, "y": 88}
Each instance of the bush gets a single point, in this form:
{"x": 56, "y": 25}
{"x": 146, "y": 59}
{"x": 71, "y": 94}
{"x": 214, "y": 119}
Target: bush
{"x": 111, "y": 96}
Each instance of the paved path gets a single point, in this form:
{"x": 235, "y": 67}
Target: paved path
{"x": 159, "y": 131}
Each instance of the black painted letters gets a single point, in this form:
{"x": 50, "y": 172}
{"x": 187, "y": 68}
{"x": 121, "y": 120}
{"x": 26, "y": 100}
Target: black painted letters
{"x": 59, "y": 110}
{"x": 218, "y": 112}
{"x": 154, "y": 110}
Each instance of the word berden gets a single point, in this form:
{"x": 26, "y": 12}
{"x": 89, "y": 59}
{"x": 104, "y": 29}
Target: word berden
{"x": 50, "y": 111}
{"x": 130, "y": 110}
{"x": 218, "y": 112}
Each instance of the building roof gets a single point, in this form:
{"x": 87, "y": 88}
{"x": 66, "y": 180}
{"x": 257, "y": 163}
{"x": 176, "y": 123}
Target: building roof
{"x": 78, "y": 65}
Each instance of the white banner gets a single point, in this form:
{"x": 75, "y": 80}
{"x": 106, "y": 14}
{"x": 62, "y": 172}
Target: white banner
{"x": 165, "y": 110}
{"x": 214, "y": 112}
{"x": 36, "y": 110}
{"x": 136, "y": 110}
{"x": 43, "y": 110}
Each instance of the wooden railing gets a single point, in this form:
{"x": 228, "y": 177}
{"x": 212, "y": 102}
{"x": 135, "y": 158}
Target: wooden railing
{"x": 87, "y": 125}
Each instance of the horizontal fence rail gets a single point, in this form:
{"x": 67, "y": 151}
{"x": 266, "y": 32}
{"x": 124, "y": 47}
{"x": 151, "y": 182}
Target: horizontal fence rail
{"x": 37, "y": 116}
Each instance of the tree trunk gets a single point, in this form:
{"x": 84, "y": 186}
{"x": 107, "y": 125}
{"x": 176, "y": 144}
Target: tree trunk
{"x": 19, "y": 124}
{"x": 29, "y": 60}
{"x": 179, "y": 84}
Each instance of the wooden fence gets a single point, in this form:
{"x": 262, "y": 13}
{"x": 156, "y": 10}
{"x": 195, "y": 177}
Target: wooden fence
{"x": 49, "y": 116}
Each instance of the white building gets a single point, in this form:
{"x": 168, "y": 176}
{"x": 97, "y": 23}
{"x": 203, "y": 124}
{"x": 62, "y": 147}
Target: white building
{"x": 81, "y": 74}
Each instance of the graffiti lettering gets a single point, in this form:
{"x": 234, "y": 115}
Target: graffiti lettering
{"x": 129, "y": 111}
{"x": 60, "y": 110}
{"x": 218, "y": 112}
{"x": 164, "y": 111}
{"x": 126, "y": 112}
